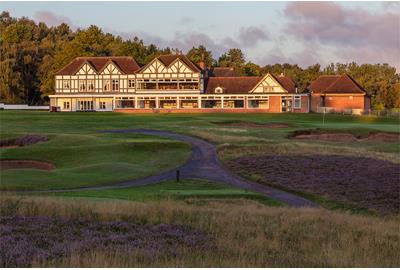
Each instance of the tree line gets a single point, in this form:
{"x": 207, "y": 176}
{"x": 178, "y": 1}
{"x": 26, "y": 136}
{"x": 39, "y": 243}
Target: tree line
{"x": 31, "y": 53}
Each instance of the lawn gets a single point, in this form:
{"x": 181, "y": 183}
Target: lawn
{"x": 191, "y": 191}
{"x": 92, "y": 159}
{"x": 83, "y": 156}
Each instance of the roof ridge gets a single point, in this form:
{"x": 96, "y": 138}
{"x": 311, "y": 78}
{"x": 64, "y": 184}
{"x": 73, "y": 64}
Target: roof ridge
{"x": 344, "y": 75}
{"x": 106, "y": 57}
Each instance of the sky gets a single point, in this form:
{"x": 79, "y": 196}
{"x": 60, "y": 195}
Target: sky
{"x": 301, "y": 33}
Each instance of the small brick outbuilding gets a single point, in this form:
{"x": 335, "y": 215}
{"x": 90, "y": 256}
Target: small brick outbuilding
{"x": 338, "y": 93}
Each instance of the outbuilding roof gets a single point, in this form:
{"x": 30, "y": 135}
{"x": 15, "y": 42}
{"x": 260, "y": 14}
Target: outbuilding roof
{"x": 336, "y": 84}
{"x": 126, "y": 64}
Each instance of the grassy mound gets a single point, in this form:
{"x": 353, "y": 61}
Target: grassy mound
{"x": 92, "y": 159}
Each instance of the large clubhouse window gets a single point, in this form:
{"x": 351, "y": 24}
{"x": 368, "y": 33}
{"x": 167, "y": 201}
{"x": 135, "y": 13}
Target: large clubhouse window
{"x": 66, "y": 84}
{"x": 90, "y": 85}
{"x": 85, "y": 105}
{"x": 297, "y": 102}
{"x": 258, "y": 104}
{"x": 106, "y": 85}
{"x": 131, "y": 83}
{"x": 82, "y": 86}
{"x": 115, "y": 85}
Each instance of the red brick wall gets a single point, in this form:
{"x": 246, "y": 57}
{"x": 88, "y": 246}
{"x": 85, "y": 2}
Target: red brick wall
{"x": 314, "y": 103}
{"x": 274, "y": 104}
{"x": 340, "y": 103}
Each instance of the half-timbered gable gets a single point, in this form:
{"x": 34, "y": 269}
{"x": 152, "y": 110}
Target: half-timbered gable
{"x": 269, "y": 84}
{"x": 169, "y": 73}
{"x": 111, "y": 69}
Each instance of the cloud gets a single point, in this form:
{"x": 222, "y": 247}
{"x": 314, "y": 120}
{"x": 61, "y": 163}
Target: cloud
{"x": 328, "y": 22}
{"x": 349, "y": 31}
{"x": 304, "y": 57}
{"x": 185, "y": 40}
{"x": 186, "y": 20}
{"x": 52, "y": 19}
{"x": 250, "y": 36}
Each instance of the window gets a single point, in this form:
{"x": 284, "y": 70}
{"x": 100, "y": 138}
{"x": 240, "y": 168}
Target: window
{"x": 106, "y": 85}
{"x": 102, "y": 105}
{"x": 85, "y": 105}
{"x": 267, "y": 89}
{"x": 218, "y": 90}
{"x": 66, "y": 105}
{"x": 82, "y": 86}
{"x": 131, "y": 83}
{"x": 90, "y": 85}
{"x": 115, "y": 85}
{"x": 66, "y": 84}
{"x": 297, "y": 102}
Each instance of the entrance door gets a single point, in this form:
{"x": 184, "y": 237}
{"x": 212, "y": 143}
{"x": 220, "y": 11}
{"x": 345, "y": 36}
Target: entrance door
{"x": 287, "y": 104}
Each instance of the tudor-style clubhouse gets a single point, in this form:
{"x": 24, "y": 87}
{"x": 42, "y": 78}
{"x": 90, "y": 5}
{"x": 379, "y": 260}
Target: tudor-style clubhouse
{"x": 172, "y": 83}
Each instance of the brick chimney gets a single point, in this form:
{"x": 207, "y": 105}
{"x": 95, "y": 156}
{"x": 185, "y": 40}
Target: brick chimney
{"x": 202, "y": 65}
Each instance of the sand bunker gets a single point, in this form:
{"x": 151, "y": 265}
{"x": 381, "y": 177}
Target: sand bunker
{"x": 16, "y": 164}
{"x": 360, "y": 181}
{"x": 22, "y": 141}
{"x": 251, "y": 124}
{"x": 317, "y": 134}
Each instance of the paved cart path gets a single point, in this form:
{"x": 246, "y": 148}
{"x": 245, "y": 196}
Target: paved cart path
{"x": 202, "y": 164}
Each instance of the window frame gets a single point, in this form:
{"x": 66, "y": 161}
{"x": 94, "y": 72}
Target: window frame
{"x": 102, "y": 105}
{"x": 82, "y": 83}
{"x": 65, "y": 84}
{"x": 115, "y": 85}
{"x": 90, "y": 83}
{"x": 106, "y": 85}
{"x": 268, "y": 89}
{"x": 66, "y": 105}
{"x": 296, "y": 98}
{"x": 131, "y": 83}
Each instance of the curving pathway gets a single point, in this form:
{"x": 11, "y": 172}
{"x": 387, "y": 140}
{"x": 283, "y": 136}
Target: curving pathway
{"x": 203, "y": 164}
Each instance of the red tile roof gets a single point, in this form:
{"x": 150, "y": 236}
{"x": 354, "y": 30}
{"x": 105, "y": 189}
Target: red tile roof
{"x": 243, "y": 85}
{"x": 127, "y": 65}
{"x": 336, "y": 84}
{"x": 286, "y": 83}
{"x": 222, "y": 72}
{"x": 231, "y": 85}
{"x": 169, "y": 58}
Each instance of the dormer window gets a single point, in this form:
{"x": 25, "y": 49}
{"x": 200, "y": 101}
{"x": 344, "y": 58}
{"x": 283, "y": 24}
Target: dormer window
{"x": 218, "y": 90}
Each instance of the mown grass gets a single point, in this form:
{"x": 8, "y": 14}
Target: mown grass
{"x": 244, "y": 234}
{"x": 92, "y": 159}
{"x": 191, "y": 191}
{"x": 85, "y": 157}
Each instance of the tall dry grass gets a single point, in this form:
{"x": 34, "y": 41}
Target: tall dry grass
{"x": 246, "y": 234}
